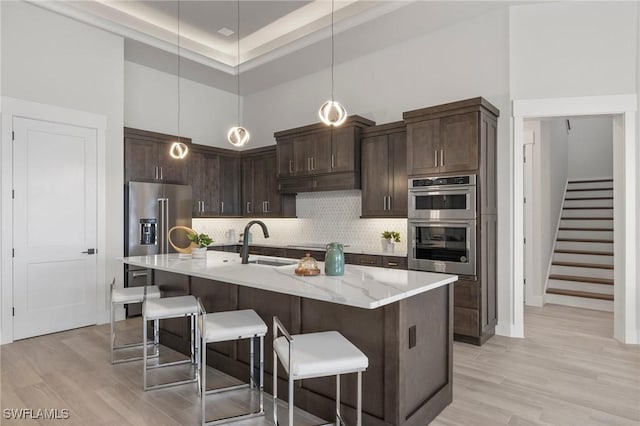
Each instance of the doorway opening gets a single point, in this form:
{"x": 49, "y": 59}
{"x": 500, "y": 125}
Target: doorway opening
{"x": 568, "y": 212}
{"x": 622, "y": 110}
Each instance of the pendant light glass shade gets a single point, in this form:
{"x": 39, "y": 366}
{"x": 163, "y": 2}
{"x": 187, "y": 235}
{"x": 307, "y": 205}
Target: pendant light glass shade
{"x": 238, "y": 136}
{"x": 332, "y": 113}
{"x": 178, "y": 150}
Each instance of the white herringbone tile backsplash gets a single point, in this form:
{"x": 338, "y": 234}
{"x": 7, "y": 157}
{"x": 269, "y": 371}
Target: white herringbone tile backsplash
{"x": 322, "y": 217}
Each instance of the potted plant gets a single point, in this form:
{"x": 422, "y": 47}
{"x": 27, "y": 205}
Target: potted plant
{"x": 389, "y": 238}
{"x": 202, "y": 241}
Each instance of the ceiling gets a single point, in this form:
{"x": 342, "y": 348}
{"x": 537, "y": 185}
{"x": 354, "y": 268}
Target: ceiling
{"x": 279, "y": 40}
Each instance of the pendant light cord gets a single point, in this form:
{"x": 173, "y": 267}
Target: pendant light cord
{"x": 179, "y": 133}
{"x": 238, "y": 66}
{"x": 332, "y": 54}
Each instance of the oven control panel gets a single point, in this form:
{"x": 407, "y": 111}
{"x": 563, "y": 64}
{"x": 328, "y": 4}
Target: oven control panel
{"x": 441, "y": 181}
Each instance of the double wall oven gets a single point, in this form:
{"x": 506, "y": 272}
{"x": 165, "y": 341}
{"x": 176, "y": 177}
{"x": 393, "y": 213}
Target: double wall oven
{"x": 442, "y": 224}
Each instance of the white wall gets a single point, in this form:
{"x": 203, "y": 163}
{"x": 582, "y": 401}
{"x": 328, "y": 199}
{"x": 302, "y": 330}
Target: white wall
{"x": 561, "y": 49}
{"x": 637, "y": 91}
{"x": 50, "y": 59}
{"x": 151, "y": 103}
{"x": 549, "y": 177}
{"x": 591, "y": 147}
{"x": 552, "y": 180}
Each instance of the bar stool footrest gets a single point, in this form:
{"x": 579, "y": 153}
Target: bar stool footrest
{"x": 235, "y": 418}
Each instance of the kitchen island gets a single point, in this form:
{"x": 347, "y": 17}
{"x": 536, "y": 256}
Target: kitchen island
{"x": 402, "y": 321}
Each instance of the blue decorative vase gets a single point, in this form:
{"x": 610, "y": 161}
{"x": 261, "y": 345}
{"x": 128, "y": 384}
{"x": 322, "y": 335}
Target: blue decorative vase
{"x": 334, "y": 260}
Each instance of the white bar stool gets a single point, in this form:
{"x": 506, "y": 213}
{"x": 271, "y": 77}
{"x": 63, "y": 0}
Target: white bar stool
{"x": 125, "y": 296}
{"x": 227, "y": 326}
{"x": 171, "y": 307}
{"x": 306, "y": 356}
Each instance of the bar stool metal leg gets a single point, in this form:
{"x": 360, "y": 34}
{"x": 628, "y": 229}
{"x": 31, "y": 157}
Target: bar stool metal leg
{"x": 230, "y": 326}
{"x": 172, "y": 307}
{"x": 338, "y": 416}
{"x": 126, "y": 296}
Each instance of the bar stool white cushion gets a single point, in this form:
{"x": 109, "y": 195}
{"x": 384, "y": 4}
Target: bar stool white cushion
{"x": 320, "y": 354}
{"x": 233, "y": 325}
{"x": 170, "y": 307}
{"x": 134, "y": 294}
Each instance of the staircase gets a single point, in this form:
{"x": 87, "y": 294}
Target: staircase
{"x": 581, "y": 272}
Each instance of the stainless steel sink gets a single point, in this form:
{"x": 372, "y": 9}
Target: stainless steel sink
{"x": 271, "y": 262}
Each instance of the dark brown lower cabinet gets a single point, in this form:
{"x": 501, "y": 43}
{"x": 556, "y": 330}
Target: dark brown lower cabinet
{"x": 409, "y": 380}
{"x": 475, "y": 299}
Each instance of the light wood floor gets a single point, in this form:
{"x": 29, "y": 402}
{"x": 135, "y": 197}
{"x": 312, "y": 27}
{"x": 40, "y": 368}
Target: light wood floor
{"x": 568, "y": 371}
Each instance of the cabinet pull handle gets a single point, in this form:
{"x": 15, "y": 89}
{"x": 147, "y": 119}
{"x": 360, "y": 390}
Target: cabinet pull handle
{"x": 333, "y": 163}
{"x": 442, "y": 157}
{"x": 313, "y": 163}
{"x": 139, "y": 274}
{"x": 367, "y": 262}
{"x": 435, "y": 158}
{"x": 309, "y": 164}
{"x": 388, "y": 202}
{"x": 221, "y": 207}
{"x": 161, "y": 175}
{"x": 384, "y": 203}
{"x": 290, "y": 166}
{"x": 266, "y": 210}
{"x": 392, "y": 264}
{"x": 248, "y": 207}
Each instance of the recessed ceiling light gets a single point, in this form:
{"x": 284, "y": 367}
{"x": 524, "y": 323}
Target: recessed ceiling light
{"x": 225, "y": 31}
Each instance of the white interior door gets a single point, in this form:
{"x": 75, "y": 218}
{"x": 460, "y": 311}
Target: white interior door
{"x": 54, "y": 281}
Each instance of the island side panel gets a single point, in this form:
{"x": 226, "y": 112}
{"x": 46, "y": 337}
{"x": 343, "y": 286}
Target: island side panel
{"x": 426, "y": 361}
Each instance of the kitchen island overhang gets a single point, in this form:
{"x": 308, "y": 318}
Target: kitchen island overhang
{"x": 402, "y": 320}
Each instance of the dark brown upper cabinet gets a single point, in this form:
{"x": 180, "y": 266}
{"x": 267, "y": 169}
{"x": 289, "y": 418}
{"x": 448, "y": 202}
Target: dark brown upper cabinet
{"x": 204, "y": 177}
{"x": 446, "y": 138}
{"x": 384, "y": 170}
{"x": 260, "y": 197}
{"x": 146, "y": 157}
{"x": 214, "y": 177}
{"x": 320, "y": 158}
{"x": 230, "y": 185}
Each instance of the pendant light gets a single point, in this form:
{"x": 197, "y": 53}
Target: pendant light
{"x": 178, "y": 149}
{"x": 332, "y": 113}
{"x": 238, "y": 135}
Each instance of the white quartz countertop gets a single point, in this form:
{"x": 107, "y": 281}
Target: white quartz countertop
{"x": 360, "y": 286}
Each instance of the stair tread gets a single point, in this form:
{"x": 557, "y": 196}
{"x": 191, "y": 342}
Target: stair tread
{"x": 589, "y": 189}
{"x": 589, "y": 198}
{"x": 576, "y": 293}
{"x": 585, "y": 229}
{"x": 585, "y": 240}
{"x": 591, "y": 280}
{"x": 590, "y": 180}
{"x": 587, "y": 208}
{"x": 583, "y": 265}
{"x": 586, "y": 218}
{"x": 593, "y": 253}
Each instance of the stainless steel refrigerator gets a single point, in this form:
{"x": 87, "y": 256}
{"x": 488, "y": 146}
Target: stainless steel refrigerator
{"x": 151, "y": 210}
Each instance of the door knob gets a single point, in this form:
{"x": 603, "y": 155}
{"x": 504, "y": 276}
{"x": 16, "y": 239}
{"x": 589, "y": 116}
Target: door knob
{"x": 90, "y": 251}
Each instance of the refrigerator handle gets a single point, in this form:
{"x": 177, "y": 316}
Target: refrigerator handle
{"x": 163, "y": 241}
